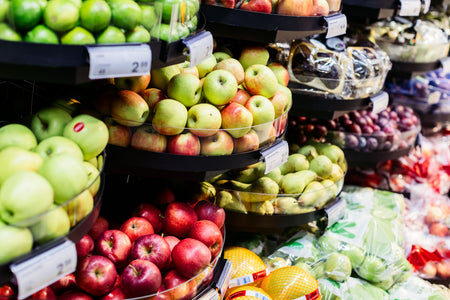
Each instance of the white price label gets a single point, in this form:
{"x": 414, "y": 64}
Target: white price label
{"x": 42, "y": 270}
{"x": 336, "y": 212}
{"x": 224, "y": 279}
{"x": 200, "y": 47}
{"x": 336, "y": 25}
{"x": 379, "y": 102}
{"x": 119, "y": 61}
{"x": 410, "y": 8}
{"x": 275, "y": 156}
{"x": 434, "y": 97}
{"x": 445, "y": 64}
{"x": 426, "y": 6}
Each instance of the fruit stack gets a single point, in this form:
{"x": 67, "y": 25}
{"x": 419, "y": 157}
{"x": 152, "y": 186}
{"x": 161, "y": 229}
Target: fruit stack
{"x": 312, "y": 176}
{"x": 49, "y": 177}
{"x": 79, "y": 22}
{"x": 219, "y": 107}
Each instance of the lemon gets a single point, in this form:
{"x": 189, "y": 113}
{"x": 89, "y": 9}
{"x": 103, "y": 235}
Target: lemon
{"x": 247, "y": 293}
{"x": 244, "y": 262}
{"x": 290, "y": 283}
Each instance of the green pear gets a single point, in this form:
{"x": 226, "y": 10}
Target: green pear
{"x": 322, "y": 165}
{"x": 338, "y": 267}
{"x": 250, "y": 174}
{"x": 293, "y": 148}
{"x": 14, "y": 242}
{"x": 232, "y": 185}
{"x": 53, "y": 224}
{"x": 295, "y": 162}
{"x": 287, "y": 206}
{"x": 228, "y": 201}
{"x": 313, "y": 192}
{"x": 262, "y": 208}
{"x": 14, "y": 159}
{"x": 262, "y": 189}
{"x": 336, "y": 173}
{"x": 160, "y": 77}
{"x": 295, "y": 183}
{"x": 354, "y": 253}
{"x": 331, "y": 191}
{"x": 309, "y": 151}
{"x": 275, "y": 175}
{"x": 334, "y": 153}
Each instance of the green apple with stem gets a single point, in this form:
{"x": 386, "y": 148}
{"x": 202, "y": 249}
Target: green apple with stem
{"x": 186, "y": 88}
{"x": 89, "y": 133}
{"x": 253, "y": 55}
{"x": 261, "y": 108}
{"x": 233, "y": 66}
{"x": 56, "y": 145}
{"x": 24, "y": 195}
{"x": 204, "y": 119}
{"x": 79, "y": 207}
{"x": 49, "y": 121}
{"x": 53, "y": 224}
{"x": 14, "y": 242}
{"x": 93, "y": 175}
{"x": 219, "y": 87}
{"x": 221, "y": 143}
{"x": 170, "y": 117}
{"x": 236, "y": 119}
{"x": 260, "y": 80}
{"x": 19, "y": 135}
{"x": 148, "y": 139}
{"x": 14, "y": 159}
{"x": 206, "y": 66}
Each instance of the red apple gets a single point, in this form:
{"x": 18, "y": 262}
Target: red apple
{"x": 152, "y": 96}
{"x": 64, "y": 284}
{"x": 96, "y": 275}
{"x": 241, "y": 97}
{"x": 178, "y": 218}
{"x": 206, "y": 210}
{"x": 74, "y": 295}
{"x": 181, "y": 288}
{"x": 438, "y": 229}
{"x": 141, "y": 277}
{"x": 263, "y": 6}
{"x": 224, "y": 3}
{"x": 164, "y": 195}
{"x": 115, "y": 245}
{"x": 184, "y": 144}
{"x": 233, "y": 66}
{"x": 220, "y": 143}
{"x": 152, "y": 247}
{"x": 146, "y": 138}
{"x": 45, "y": 293}
{"x": 136, "y": 227}
{"x": 301, "y": 8}
{"x": 100, "y": 226}
{"x": 115, "y": 294}
{"x": 280, "y": 102}
{"x": 281, "y": 73}
{"x": 236, "y": 119}
{"x": 85, "y": 247}
{"x": 129, "y": 108}
{"x": 6, "y": 292}
{"x": 152, "y": 214}
{"x": 171, "y": 241}
{"x": 190, "y": 257}
{"x": 209, "y": 234}
{"x": 119, "y": 135}
{"x": 136, "y": 83}
{"x": 248, "y": 142}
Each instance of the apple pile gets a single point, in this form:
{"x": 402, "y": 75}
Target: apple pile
{"x": 310, "y": 177}
{"x": 219, "y": 107}
{"x": 301, "y": 8}
{"x": 80, "y": 22}
{"x": 49, "y": 177}
{"x": 168, "y": 251}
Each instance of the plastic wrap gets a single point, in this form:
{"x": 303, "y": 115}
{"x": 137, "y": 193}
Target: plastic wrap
{"x": 415, "y": 288}
{"x": 352, "y": 289}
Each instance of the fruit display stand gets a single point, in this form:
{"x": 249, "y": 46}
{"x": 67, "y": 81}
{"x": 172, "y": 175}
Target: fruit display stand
{"x": 369, "y": 10}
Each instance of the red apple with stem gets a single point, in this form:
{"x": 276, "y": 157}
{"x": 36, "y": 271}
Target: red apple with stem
{"x": 190, "y": 257}
{"x": 181, "y": 288}
{"x": 152, "y": 214}
{"x": 209, "y": 234}
{"x": 141, "y": 277}
{"x": 178, "y": 218}
{"x": 84, "y": 247}
{"x": 136, "y": 227}
{"x": 96, "y": 275}
{"x": 206, "y": 210}
{"x": 100, "y": 226}
{"x": 115, "y": 245}
{"x": 152, "y": 247}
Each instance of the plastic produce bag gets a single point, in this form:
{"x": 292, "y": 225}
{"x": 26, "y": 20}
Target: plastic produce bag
{"x": 415, "y": 288}
{"x": 352, "y": 289}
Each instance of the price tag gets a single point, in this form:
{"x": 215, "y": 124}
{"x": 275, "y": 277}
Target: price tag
{"x": 42, "y": 270}
{"x": 119, "y": 61}
{"x": 200, "y": 47}
{"x": 445, "y": 65}
{"x": 224, "y": 279}
{"x": 275, "y": 156}
{"x": 410, "y": 8}
{"x": 336, "y": 25}
{"x": 434, "y": 97}
{"x": 426, "y": 6}
{"x": 379, "y": 102}
{"x": 336, "y": 212}
{"x": 210, "y": 294}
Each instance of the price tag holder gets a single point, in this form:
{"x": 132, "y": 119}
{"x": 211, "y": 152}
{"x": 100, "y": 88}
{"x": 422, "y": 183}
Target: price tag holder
{"x": 224, "y": 279}
{"x": 119, "y": 61}
{"x": 379, "y": 102}
{"x": 426, "y": 6}
{"x": 200, "y": 46}
{"x": 336, "y": 212}
{"x": 434, "y": 97}
{"x": 275, "y": 156}
{"x": 410, "y": 8}
{"x": 336, "y": 25}
{"x": 210, "y": 294}
{"x": 445, "y": 64}
{"x": 42, "y": 270}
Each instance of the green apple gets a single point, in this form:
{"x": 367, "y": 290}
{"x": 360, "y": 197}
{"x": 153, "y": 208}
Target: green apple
{"x": 249, "y": 142}
{"x": 135, "y": 83}
{"x": 146, "y": 138}
{"x": 9, "y": 34}
{"x": 79, "y": 207}
{"x": 281, "y": 73}
{"x": 49, "y": 121}
{"x": 93, "y": 174}
{"x": 148, "y": 16}
{"x": 4, "y": 8}
{"x": 220, "y": 87}
{"x": 233, "y": 66}
{"x": 261, "y": 108}
{"x": 206, "y": 66}
{"x": 165, "y": 32}
{"x": 111, "y": 35}
{"x": 78, "y": 36}
{"x": 56, "y": 145}
{"x": 280, "y": 102}
{"x": 66, "y": 174}
{"x": 61, "y": 15}
{"x": 260, "y": 80}
{"x": 160, "y": 77}
{"x": 170, "y": 117}
{"x": 204, "y": 119}
{"x": 138, "y": 35}
{"x": 24, "y": 14}
{"x": 129, "y": 108}
{"x": 89, "y": 133}
{"x": 185, "y": 88}
{"x": 41, "y": 34}
{"x": 288, "y": 93}
{"x": 14, "y": 159}
{"x": 338, "y": 267}
{"x": 219, "y": 55}
{"x": 185, "y": 67}
{"x": 24, "y": 195}
{"x": 19, "y": 135}
{"x": 253, "y": 55}
{"x": 126, "y": 14}
{"x": 236, "y": 119}
{"x": 168, "y": 9}
{"x": 14, "y": 242}
{"x": 95, "y": 15}
{"x": 51, "y": 225}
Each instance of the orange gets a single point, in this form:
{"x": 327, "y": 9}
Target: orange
{"x": 247, "y": 293}
{"x": 290, "y": 283}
